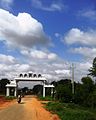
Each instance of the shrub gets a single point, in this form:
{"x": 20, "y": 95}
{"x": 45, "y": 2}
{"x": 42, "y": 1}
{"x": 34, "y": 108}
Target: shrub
{"x": 47, "y": 98}
{"x": 10, "y": 97}
{"x": 70, "y": 111}
{"x": 54, "y": 106}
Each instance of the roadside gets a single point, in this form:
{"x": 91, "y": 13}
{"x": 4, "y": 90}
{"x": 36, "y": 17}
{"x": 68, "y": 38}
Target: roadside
{"x": 5, "y": 103}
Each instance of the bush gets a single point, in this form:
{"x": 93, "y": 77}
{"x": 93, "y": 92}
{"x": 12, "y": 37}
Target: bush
{"x": 10, "y": 97}
{"x": 70, "y": 114}
{"x": 70, "y": 111}
{"x": 54, "y": 106}
{"x": 47, "y": 98}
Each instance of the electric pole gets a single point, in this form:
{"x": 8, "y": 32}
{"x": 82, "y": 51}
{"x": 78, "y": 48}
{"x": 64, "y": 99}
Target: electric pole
{"x": 73, "y": 78}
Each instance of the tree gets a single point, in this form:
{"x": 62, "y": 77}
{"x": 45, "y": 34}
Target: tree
{"x": 3, "y": 83}
{"x": 64, "y": 90}
{"x": 38, "y": 90}
{"x": 24, "y": 90}
{"x": 84, "y": 92}
{"x": 92, "y": 69}
{"x": 88, "y": 86}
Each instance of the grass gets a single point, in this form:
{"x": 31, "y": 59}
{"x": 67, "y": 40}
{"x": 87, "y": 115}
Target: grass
{"x": 70, "y": 111}
{"x": 10, "y": 97}
{"x": 47, "y": 98}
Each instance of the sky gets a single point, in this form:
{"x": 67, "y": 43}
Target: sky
{"x": 47, "y": 36}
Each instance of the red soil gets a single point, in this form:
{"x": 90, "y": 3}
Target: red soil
{"x": 4, "y": 103}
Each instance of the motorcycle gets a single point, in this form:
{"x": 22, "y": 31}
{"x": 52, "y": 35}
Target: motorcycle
{"x": 19, "y": 99}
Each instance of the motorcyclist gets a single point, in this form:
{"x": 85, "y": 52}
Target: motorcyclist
{"x": 19, "y": 98}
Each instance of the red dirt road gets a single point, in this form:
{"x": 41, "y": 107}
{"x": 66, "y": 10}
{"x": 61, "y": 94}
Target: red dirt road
{"x": 29, "y": 109}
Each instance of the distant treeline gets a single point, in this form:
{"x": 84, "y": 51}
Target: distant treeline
{"x": 85, "y": 92}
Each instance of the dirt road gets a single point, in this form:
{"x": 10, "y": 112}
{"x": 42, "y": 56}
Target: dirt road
{"x": 29, "y": 109}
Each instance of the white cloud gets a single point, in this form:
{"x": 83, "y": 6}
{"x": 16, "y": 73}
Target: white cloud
{"x": 84, "y": 66}
{"x": 11, "y": 70}
{"x": 54, "y": 6}
{"x": 75, "y": 35}
{"x": 38, "y": 61}
{"x": 89, "y": 53}
{"x": 81, "y": 70}
{"x": 39, "y": 54}
{"x": 45, "y": 68}
{"x": 52, "y": 56}
{"x": 52, "y": 70}
{"x": 89, "y": 14}
{"x": 5, "y": 4}
{"x": 7, "y": 59}
{"x": 65, "y": 72}
{"x": 22, "y": 31}
{"x": 22, "y": 67}
{"x": 57, "y": 35}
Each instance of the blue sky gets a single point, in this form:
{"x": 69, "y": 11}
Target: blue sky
{"x": 47, "y": 37}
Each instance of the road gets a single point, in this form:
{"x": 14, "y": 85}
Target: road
{"x": 29, "y": 109}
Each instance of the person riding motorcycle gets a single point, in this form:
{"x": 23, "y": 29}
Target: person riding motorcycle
{"x": 19, "y": 98}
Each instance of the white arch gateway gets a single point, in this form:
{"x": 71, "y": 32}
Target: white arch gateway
{"x": 27, "y": 77}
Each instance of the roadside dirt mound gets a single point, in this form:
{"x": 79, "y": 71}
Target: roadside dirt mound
{"x": 4, "y": 103}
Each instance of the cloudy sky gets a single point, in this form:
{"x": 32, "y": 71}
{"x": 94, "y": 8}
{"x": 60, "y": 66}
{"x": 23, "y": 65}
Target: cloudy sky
{"x": 47, "y": 36}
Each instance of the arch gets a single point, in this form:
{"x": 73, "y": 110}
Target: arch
{"x": 34, "y": 75}
{"x": 21, "y": 75}
{"x": 25, "y": 75}
{"x": 39, "y": 75}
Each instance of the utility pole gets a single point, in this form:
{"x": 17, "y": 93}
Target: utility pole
{"x": 73, "y": 78}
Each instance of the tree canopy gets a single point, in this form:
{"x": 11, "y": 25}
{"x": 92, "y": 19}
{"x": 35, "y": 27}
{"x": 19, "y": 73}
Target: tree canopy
{"x": 92, "y": 70}
{"x": 3, "y": 83}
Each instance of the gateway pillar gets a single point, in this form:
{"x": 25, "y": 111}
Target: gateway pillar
{"x": 44, "y": 89}
{"x": 51, "y": 92}
{"x": 7, "y": 91}
{"x": 15, "y": 92}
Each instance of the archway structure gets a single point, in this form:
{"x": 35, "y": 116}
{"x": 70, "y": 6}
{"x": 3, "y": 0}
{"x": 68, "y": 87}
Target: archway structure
{"x": 27, "y": 77}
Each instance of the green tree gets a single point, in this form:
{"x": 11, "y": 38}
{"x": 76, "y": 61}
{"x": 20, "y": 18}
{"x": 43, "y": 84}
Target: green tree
{"x": 38, "y": 90}
{"x": 92, "y": 70}
{"x": 78, "y": 98}
{"x": 85, "y": 94}
{"x": 3, "y": 83}
{"x": 64, "y": 90}
{"x": 88, "y": 86}
{"x": 25, "y": 89}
